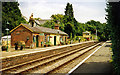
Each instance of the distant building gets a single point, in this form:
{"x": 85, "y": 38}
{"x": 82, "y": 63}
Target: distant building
{"x": 37, "y": 36}
{"x": 87, "y": 35}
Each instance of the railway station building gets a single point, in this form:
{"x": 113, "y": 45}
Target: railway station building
{"x": 87, "y": 35}
{"x": 37, "y": 36}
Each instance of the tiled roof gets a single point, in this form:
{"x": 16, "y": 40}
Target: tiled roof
{"x": 39, "y": 29}
{"x": 40, "y": 22}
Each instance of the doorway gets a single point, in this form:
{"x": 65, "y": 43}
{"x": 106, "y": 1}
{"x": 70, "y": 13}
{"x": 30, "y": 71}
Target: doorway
{"x": 37, "y": 42}
{"x": 55, "y": 40}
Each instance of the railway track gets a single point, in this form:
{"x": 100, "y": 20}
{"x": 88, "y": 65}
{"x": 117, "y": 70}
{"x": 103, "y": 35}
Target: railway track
{"x": 51, "y": 63}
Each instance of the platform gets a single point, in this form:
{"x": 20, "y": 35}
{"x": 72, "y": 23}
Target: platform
{"x": 28, "y": 51}
{"x": 98, "y": 63}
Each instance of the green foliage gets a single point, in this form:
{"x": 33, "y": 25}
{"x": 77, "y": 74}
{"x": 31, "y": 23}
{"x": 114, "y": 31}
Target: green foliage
{"x": 49, "y": 24}
{"x": 73, "y": 28}
{"x": 59, "y": 18}
{"x": 11, "y": 13}
{"x": 69, "y": 29}
{"x": 69, "y": 20}
{"x": 69, "y": 11}
{"x": 55, "y": 18}
{"x": 101, "y": 31}
{"x": 37, "y": 18}
{"x": 113, "y": 17}
{"x": 62, "y": 43}
{"x": 4, "y": 48}
{"x": 48, "y": 43}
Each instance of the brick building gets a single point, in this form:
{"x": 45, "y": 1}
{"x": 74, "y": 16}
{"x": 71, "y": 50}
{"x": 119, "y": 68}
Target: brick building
{"x": 37, "y": 36}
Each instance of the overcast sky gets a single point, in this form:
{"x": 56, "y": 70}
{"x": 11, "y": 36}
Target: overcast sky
{"x": 84, "y": 10}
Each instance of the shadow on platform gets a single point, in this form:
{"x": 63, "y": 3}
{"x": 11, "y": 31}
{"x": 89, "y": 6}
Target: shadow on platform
{"x": 108, "y": 46}
{"x": 94, "y": 68}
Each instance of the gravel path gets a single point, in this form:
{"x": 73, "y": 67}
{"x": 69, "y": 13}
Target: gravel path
{"x": 98, "y": 64}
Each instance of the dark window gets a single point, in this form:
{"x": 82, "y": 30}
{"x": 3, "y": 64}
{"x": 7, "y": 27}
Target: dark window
{"x": 87, "y": 34}
{"x": 34, "y": 38}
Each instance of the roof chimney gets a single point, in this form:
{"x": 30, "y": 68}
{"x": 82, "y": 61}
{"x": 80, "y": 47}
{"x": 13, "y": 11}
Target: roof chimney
{"x": 31, "y": 20}
{"x": 56, "y": 26}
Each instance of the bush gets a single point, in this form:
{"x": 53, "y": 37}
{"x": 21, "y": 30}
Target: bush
{"x": 22, "y": 43}
{"x": 16, "y": 46}
{"x": 21, "y": 47}
{"x": 47, "y": 44}
{"x": 4, "y": 48}
{"x": 62, "y": 43}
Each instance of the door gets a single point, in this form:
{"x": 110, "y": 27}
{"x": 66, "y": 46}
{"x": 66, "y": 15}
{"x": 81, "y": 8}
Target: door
{"x": 55, "y": 40}
{"x": 65, "y": 40}
{"x": 37, "y": 42}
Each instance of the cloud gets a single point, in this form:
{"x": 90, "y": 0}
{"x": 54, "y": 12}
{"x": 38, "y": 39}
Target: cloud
{"x": 42, "y": 10}
{"x": 84, "y": 10}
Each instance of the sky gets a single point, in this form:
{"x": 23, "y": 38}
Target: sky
{"x": 84, "y": 10}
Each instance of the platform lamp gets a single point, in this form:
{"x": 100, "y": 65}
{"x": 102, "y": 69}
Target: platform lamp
{"x": 96, "y": 34}
{"x": 7, "y": 36}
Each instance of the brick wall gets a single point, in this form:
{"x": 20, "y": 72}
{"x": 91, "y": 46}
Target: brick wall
{"x": 21, "y": 34}
{"x": 41, "y": 39}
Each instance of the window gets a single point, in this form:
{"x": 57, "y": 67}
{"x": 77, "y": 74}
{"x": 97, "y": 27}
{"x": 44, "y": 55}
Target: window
{"x": 87, "y": 34}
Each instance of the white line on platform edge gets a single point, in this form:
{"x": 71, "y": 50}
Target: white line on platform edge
{"x": 83, "y": 61}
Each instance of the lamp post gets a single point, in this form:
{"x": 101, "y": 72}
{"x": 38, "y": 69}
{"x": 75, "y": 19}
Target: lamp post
{"x": 96, "y": 34}
{"x": 7, "y": 38}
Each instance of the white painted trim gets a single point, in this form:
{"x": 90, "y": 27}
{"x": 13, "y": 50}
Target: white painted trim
{"x": 83, "y": 61}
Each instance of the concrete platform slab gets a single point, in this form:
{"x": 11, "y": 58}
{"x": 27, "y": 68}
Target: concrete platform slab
{"x": 97, "y": 64}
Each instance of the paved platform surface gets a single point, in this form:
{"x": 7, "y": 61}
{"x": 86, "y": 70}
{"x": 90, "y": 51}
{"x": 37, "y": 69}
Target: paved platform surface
{"x": 27, "y": 51}
{"x": 97, "y": 64}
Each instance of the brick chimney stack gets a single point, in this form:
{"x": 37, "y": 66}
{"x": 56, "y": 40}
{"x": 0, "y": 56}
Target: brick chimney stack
{"x": 56, "y": 26}
{"x": 31, "y": 20}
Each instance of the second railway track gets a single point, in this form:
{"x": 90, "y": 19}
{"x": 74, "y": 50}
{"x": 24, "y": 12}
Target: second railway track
{"x": 51, "y": 63}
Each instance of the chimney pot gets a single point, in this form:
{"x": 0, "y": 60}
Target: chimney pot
{"x": 56, "y": 26}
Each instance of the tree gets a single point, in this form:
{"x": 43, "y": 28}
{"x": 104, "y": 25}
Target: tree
{"x": 72, "y": 27}
{"x": 66, "y": 22}
{"x": 101, "y": 31}
{"x": 69, "y": 10}
{"x": 69, "y": 29}
{"x": 113, "y": 17}
{"x": 49, "y": 24}
{"x": 55, "y": 19}
{"x": 12, "y": 14}
{"x": 69, "y": 20}
{"x": 58, "y": 18}
{"x": 37, "y": 18}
